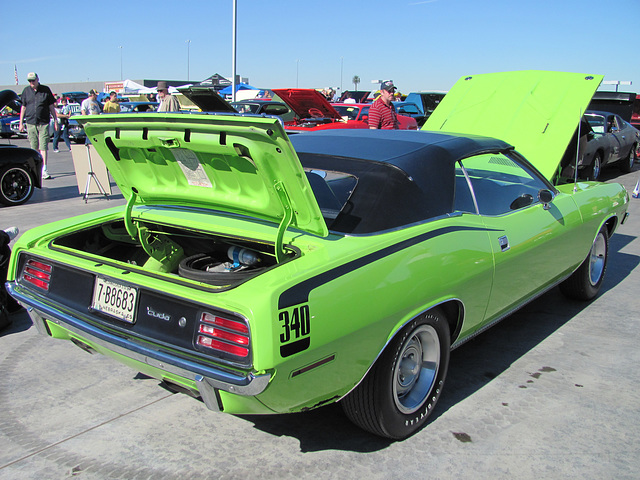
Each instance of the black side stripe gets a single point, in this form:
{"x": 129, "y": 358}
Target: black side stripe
{"x": 300, "y": 293}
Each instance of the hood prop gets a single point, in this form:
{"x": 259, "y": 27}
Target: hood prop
{"x": 575, "y": 170}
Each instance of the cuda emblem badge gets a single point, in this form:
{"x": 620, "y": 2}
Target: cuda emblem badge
{"x": 162, "y": 316}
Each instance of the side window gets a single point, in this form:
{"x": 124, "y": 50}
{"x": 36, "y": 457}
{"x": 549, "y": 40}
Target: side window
{"x": 500, "y": 185}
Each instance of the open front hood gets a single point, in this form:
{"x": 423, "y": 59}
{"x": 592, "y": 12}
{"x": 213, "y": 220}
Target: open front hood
{"x": 307, "y": 103}
{"x": 206, "y": 99}
{"x": 535, "y": 111}
{"x": 10, "y": 98}
{"x": 230, "y": 163}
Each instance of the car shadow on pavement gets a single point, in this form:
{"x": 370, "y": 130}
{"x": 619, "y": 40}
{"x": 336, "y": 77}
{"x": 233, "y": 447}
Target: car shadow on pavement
{"x": 472, "y": 366}
{"x": 20, "y": 322}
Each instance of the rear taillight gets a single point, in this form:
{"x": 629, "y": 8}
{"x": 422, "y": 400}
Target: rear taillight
{"x": 223, "y": 334}
{"x": 37, "y": 273}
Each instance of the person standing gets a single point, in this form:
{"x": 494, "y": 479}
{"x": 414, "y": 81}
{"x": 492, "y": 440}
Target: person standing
{"x": 38, "y": 106}
{"x": 382, "y": 114}
{"x": 112, "y": 105}
{"x": 91, "y": 106}
{"x": 168, "y": 103}
{"x": 64, "y": 112}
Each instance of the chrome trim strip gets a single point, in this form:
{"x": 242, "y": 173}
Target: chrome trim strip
{"x": 207, "y": 378}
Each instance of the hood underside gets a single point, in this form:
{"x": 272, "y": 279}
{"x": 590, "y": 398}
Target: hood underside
{"x": 229, "y": 163}
{"x": 536, "y": 111}
{"x": 307, "y": 103}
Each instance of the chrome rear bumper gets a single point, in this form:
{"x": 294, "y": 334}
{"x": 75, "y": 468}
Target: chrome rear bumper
{"x": 207, "y": 379}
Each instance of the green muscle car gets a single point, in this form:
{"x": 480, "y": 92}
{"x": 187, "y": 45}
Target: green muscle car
{"x": 268, "y": 273}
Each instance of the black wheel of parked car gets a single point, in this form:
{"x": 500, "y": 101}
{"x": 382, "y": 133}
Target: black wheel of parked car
{"x": 627, "y": 165}
{"x": 397, "y": 395}
{"x": 585, "y": 282}
{"x": 16, "y": 185}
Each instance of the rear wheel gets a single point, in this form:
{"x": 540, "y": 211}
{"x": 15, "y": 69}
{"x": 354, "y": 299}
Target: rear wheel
{"x": 626, "y": 165}
{"x": 400, "y": 391}
{"x": 16, "y": 185}
{"x": 586, "y": 281}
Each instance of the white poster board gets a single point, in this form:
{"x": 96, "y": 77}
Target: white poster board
{"x": 83, "y": 167}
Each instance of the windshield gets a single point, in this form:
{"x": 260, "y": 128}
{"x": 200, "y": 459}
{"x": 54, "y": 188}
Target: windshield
{"x": 246, "y": 107}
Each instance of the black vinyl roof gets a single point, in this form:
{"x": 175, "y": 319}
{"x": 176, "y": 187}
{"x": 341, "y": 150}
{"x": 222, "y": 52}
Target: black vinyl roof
{"x": 403, "y": 176}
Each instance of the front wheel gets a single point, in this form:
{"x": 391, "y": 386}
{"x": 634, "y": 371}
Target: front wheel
{"x": 626, "y": 165}
{"x": 400, "y": 391}
{"x": 595, "y": 167}
{"x": 586, "y": 281}
{"x": 16, "y": 185}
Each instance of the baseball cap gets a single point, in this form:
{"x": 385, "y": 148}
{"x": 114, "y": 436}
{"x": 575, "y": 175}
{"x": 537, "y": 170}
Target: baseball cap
{"x": 93, "y": 91}
{"x": 32, "y": 76}
{"x": 388, "y": 86}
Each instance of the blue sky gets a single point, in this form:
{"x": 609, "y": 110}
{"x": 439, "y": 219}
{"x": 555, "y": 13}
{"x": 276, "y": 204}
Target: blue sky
{"x": 420, "y": 44}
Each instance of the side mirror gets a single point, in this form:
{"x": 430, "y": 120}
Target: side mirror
{"x": 546, "y": 197}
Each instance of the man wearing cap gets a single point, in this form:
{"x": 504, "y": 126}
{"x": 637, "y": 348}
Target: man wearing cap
{"x": 38, "y": 106}
{"x": 382, "y": 114}
{"x": 91, "y": 106}
{"x": 168, "y": 103}
{"x": 112, "y": 105}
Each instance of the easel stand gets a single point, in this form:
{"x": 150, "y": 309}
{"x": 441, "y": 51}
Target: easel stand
{"x": 91, "y": 175}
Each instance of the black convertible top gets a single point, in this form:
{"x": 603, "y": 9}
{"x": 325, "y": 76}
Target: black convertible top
{"x": 403, "y": 176}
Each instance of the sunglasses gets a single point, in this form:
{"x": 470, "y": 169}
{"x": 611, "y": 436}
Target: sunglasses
{"x": 31, "y": 81}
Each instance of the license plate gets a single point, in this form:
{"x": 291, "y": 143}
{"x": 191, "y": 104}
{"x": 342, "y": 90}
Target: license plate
{"x": 115, "y": 299}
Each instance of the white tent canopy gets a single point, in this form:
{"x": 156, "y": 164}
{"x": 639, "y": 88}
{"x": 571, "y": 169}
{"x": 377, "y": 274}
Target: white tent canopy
{"x": 131, "y": 87}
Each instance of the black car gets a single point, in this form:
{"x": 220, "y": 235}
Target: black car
{"x": 20, "y": 168}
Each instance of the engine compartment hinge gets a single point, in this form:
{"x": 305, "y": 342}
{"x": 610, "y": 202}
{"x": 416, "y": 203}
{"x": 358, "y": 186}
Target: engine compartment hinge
{"x": 286, "y": 221}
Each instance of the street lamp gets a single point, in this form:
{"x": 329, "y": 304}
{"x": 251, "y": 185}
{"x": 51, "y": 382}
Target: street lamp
{"x": 120, "y": 47}
{"x": 297, "y": 64}
{"x": 188, "y": 45}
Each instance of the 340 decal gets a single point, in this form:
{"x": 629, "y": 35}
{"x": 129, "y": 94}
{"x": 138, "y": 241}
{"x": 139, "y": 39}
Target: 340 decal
{"x": 296, "y": 323}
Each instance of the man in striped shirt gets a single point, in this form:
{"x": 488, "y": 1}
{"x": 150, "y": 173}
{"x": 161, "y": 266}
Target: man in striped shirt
{"x": 382, "y": 114}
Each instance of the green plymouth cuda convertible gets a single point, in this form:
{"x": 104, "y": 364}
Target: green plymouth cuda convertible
{"x": 267, "y": 273}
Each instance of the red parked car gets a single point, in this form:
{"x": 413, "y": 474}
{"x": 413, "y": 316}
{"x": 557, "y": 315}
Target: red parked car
{"x": 314, "y": 112}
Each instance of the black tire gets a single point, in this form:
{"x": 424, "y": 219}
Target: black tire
{"x": 626, "y": 165}
{"x": 16, "y": 185}
{"x": 586, "y": 281}
{"x": 399, "y": 392}
{"x": 195, "y": 268}
{"x": 593, "y": 172}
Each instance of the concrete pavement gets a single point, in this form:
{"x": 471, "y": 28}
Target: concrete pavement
{"x": 551, "y": 392}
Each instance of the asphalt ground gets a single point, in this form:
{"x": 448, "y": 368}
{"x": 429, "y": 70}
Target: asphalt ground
{"x": 550, "y": 392}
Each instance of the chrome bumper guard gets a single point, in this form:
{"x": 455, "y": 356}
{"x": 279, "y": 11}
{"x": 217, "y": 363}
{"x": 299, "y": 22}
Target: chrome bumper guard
{"x": 207, "y": 379}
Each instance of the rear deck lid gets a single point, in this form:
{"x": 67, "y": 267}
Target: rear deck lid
{"x": 230, "y": 163}
{"x": 535, "y": 111}
{"x": 307, "y": 103}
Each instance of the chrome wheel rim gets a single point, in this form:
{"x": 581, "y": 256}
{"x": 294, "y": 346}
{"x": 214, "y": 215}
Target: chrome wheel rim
{"x": 596, "y": 168}
{"x": 16, "y": 185}
{"x": 632, "y": 157}
{"x": 416, "y": 369}
{"x": 597, "y": 259}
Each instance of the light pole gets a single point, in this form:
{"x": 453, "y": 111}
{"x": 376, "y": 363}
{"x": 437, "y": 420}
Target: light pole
{"x": 297, "y": 64}
{"x": 120, "y": 47}
{"x": 233, "y": 50}
{"x": 188, "y": 45}
{"x": 341, "y": 68}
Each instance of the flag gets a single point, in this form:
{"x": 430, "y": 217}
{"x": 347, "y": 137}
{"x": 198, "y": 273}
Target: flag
{"x": 15, "y": 72}
{"x": 636, "y": 191}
